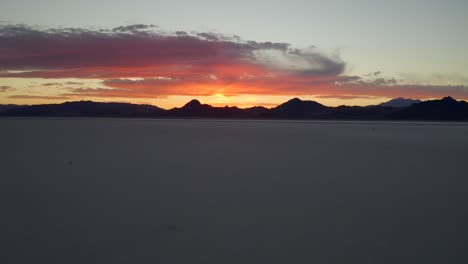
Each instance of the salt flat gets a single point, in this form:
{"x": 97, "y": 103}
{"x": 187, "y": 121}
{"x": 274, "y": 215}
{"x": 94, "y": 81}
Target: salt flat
{"x": 214, "y": 191}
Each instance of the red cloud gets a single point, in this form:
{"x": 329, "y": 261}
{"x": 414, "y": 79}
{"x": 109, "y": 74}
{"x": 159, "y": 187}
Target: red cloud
{"x": 73, "y": 50}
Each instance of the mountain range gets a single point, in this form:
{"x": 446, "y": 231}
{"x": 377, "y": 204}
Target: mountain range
{"x": 400, "y": 102}
{"x": 396, "y": 109}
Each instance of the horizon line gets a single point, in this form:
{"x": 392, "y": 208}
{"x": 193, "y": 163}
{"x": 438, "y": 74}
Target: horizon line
{"x": 194, "y": 99}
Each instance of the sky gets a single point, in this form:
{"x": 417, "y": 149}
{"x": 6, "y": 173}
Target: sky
{"x": 241, "y": 53}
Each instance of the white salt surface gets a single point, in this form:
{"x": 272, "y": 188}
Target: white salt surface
{"x": 214, "y": 191}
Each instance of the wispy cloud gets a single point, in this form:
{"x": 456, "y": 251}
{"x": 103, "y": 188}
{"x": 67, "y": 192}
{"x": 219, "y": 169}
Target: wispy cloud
{"x": 45, "y": 97}
{"x": 52, "y": 84}
{"x": 62, "y": 83}
{"x": 346, "y": 97}
{"x": 390, "y": 87}
{"x": 5, "y": 88}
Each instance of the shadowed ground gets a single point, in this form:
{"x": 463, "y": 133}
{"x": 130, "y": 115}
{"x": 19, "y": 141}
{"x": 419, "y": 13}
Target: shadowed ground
{"x": 198, "y": 191}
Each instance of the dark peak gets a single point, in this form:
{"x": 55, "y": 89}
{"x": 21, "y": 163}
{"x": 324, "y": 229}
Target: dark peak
{"x": 257, "y": 107}
{"x": 401, "y": 99}
{"x": 404, "y": 99}
{"x": 296, "y": 108}
{"x": 298, "y": 102}
{"x": 192, "y": 103}
{"x": 448, "y": 99}
{"x": 400, "y": 102}
{"x": 294, "y": 100}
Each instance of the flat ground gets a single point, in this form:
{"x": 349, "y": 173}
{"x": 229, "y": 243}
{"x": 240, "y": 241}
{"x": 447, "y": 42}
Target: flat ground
{"x": 199, "y": 191}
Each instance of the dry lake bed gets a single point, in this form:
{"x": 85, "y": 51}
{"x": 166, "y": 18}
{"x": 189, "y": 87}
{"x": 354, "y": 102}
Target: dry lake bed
{"x": 227, "y": 191}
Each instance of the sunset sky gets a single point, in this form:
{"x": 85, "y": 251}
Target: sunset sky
{"x": 242, "y": 53}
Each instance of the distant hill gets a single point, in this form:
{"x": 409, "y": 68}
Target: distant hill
{"x": 296, "y": 108}
{"x": 6, "y": 107}
{"x": 85, "y": 108}
{"x": 400, "y": 102}
{"x": 299, "y": 109}
{"x": 443, "y": 109}
{"x": 361, "y": 113}
{"x": 196, "y": 109}
{"x": 257, "y": 110}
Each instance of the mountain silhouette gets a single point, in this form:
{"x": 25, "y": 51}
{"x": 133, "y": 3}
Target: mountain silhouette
{"x": 85, "y": 108}
{"x": 373, "y": 112}
{"x": 297, "y": 108}
{"x": 443, "y": 109}
{"x": 256, "y": 110}
{"x": 193, "y": 105}
{"x": 196, "y": 109}
{"x": 400, "y": 102}
{"x": 8, "y": 106}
